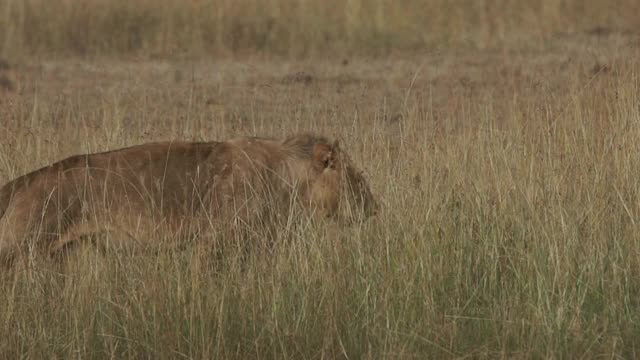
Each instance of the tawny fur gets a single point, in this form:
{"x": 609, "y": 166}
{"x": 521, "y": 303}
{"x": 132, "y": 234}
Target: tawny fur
{"x": 149, "y": 191}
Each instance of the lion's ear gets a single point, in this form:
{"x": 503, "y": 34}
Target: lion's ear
{"x": 323, "y": 156}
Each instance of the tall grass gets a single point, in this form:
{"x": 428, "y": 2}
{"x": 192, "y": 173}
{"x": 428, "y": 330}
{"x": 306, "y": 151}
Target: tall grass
{"x": 509, "y": 226}
{"x": 294, "y": 28}
{"x": 509, "y": 179}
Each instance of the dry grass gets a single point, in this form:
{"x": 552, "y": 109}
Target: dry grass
{"x": 509, "y": 181}
{"x": 301, "y": 28}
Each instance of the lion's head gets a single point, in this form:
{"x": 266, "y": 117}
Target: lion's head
{"x": 336, "y": 187}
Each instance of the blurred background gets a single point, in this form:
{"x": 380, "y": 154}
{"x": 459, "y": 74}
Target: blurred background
{"x": 189, "y": 28}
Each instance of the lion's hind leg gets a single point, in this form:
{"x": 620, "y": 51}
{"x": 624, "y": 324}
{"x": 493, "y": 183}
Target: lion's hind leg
{"x": 102, "y": 236}
{"x": 29, "y": 227}
{"x": 18, "y": 235}
{"x": 73, "y": 234}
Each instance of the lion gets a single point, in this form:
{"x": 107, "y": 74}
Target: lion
{"x": 147, "y": 191}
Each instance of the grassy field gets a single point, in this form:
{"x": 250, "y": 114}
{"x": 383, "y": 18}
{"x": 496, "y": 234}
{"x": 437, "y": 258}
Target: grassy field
{"x": 175, "y": 28}
{"x": 501, "y": 139}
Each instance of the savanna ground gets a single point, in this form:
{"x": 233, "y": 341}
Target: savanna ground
{"x": 501, "y": 138}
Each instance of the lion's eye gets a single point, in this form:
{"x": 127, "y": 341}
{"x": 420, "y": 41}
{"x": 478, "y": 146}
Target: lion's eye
{"x": 329, "y": 164}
